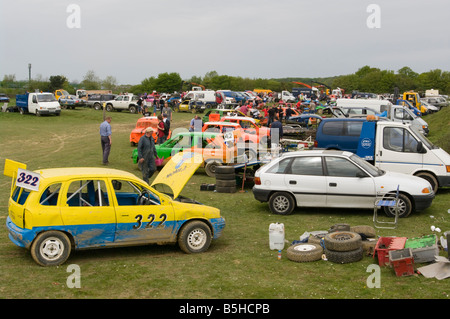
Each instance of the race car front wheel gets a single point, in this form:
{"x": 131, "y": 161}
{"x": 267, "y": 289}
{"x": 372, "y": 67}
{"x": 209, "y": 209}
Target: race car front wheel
{"x": 195, "y": 237}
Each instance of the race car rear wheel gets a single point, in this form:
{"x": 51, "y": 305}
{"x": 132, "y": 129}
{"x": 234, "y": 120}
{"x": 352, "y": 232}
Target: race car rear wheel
{"x": 51, "y": 248}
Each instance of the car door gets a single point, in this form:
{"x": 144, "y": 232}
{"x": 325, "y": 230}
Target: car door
{"x": 142, "y": 216}
{"x": 304, "y": 178}
{"x": 87, "y": 212}
{"x": 347, "y": 185}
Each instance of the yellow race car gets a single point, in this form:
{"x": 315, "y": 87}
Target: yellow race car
{"x": 52, "y": 211}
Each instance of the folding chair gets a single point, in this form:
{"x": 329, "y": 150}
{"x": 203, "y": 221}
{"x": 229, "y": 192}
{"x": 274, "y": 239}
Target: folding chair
{"x": 390, "y": 202}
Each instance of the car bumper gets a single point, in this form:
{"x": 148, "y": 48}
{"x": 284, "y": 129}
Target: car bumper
{"x": 21, "y": 237}
{"x": 422, "y": 202}
{"x": 51, "y": 111}
{"x": 261, "y": 195}
{"x": 218, "y": 225}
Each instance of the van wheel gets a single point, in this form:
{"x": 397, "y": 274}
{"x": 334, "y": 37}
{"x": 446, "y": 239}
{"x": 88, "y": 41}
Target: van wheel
{"x": 281, "y": 203}
{"x": 431, "y": 179}
{"x": 51, "y": 248}
{"x": 109, "y": 108}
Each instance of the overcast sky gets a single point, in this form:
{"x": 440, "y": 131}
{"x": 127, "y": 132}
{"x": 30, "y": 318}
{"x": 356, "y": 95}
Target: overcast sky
{"x": 135, "y": 39}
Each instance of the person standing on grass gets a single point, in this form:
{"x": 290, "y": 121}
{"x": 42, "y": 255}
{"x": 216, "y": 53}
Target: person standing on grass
{"x": 105, "y": 139}
{"x": 167, "y": 110}
{"x": 161, "y": 130}
{"x": 147, "y": 155}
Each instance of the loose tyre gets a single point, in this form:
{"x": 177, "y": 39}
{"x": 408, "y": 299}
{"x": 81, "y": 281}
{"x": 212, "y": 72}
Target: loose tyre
{"x": 304, "y": 252}
{"x": 224, "y": 169}
{"x": 225, "y": 189}
{"x": 404, "y": 206}
{"x": 226, "y": 183}
{"x": 342, "y": 241}
{"x": 194, "y": 237}
{"x": 344, "y": 257}
{"x": 282, "y": 203}
{"x": 51, "y": 248}
{"x": 225, "y": 177}
{"x": 367, "y": 231}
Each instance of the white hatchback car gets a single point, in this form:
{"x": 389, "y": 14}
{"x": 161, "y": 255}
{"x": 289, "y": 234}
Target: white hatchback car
{"x": 337, "y": 179}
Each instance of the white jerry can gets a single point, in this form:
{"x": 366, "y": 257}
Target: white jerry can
{"x": 276, "y": 236}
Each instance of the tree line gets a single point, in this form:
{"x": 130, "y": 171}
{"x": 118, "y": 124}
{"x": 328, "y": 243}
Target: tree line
{"x": 365, "y": 79}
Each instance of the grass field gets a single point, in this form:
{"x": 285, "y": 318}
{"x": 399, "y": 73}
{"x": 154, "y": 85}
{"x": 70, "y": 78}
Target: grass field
{"x": 237, "y": 265}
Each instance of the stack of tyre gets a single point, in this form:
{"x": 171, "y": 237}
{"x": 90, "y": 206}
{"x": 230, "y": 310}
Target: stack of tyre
{"x": 225, "y": 179}
{"x": 343, "y": 247}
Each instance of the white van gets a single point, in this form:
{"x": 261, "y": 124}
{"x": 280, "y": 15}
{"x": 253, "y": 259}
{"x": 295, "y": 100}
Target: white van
{"x": 396, "y": 113}
{"x": 207, "y": 97}
{"x": 377, "y": 105}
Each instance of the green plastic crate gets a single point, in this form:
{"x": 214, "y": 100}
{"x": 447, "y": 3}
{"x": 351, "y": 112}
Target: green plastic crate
{"x": 421, "y": 242}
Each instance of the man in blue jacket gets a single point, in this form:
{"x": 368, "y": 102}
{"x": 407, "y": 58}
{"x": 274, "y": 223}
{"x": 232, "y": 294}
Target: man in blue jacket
{"x": 105, "y": 139}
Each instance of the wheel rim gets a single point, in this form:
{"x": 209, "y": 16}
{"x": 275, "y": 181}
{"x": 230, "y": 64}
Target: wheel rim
{"x": 197, "y": 239}
{"x": 51, "y": 249}
{"x": 304, "y": 247}
{"x": 281, "y": 204}
{"x": 250, "y": 155}
{"x": 401, "y": 208}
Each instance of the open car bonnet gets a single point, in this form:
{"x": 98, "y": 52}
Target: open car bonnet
{"x": 178, "y": 171}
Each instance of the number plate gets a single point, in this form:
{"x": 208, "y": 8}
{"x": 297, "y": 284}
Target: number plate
{"x": 27, "y": 179}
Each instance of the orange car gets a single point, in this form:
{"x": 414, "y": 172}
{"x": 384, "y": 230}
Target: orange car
{"x": 250, "y": 126}
{"x": 141, "y": 125}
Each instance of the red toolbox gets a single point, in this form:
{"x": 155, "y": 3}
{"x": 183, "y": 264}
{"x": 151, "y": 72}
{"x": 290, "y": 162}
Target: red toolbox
{"x": 402, "y": 261}
{"x": 386, "y": 244}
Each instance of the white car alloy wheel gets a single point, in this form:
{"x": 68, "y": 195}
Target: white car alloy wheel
{"x": 281, "y": 203}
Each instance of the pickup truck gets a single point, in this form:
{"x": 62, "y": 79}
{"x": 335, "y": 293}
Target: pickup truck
{"x": 96, "y": 100}
{"x": 38, "y": 103}
{"x": 391, "y": 146}
{"x": 123, "y": 102}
